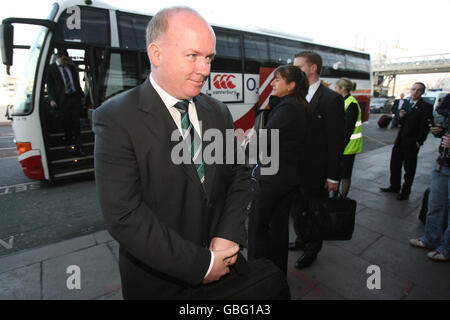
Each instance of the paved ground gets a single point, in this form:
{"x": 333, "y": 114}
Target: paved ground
{"x": 38, "y": 213}
{"x": 383, "y": 227}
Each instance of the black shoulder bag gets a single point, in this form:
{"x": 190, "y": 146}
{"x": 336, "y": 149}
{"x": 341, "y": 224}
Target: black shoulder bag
{"x": 328, "y": 219}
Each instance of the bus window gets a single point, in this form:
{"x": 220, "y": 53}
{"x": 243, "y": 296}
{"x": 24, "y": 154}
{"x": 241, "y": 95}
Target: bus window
{"x": 84, "y": 25}
{"x": 145, "y": 66}
{"x": 132, "y": 30}
{"x": 332, "y": 59}
{"x": 24, "y": 103}
{"x": 283, "y": 51}
{"x": 121, "y": 74}
{"x": 228, "y": 57}
{"x": 357, "y": 63}
{"x": 256, "y": 53}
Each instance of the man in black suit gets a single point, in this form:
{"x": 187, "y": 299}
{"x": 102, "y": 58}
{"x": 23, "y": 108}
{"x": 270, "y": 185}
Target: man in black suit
{"x": 65, "y": 95}
{"x": 396, "y": 107}
{"x": 323, "y": 148}
{"x": 179, "y": 226}
{"x": 415, "y": 118}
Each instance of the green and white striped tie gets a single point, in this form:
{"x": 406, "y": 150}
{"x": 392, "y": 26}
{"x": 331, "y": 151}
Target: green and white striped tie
{"x": 192, "y": 138}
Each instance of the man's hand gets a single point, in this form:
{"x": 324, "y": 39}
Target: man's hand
{"x": 218, "y": 244}
{"x": 436, "y": 130}
{"x": 220, "y": 268}
{"x": 331, "y": 186}
{"x": 446, "y": 141}
{"x": 53, "y": 104}
{"x": 403, "y": 113}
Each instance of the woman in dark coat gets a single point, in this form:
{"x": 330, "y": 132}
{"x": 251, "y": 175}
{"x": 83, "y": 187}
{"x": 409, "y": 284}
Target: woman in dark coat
{"x": 273, "y": 193}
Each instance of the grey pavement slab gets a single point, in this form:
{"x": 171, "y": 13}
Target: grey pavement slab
{"x": 361, "y": 240}
{"x": 360, "y": 183}
{"x": 383, "y": 228}
{"x": 383, "y": 202}
{"x": 371, "y": 172}
{"x": 389, "y": 225}
{"x": 32, "y": 256}
{"x": 321, "y": 292}
{"x": 346, "y": 275}
{"x": 299, "y": 284}
{"x": 413, "y": 217}
{"x": 99, "y": 274}
{"x": 116, "y": 295}
{"x": 412, "y": 263}
{"x": 419, "y": 293}
{"x": 114, "y": 247}
{"x": 21, "y": 284}
{"x": 103, "y": 236}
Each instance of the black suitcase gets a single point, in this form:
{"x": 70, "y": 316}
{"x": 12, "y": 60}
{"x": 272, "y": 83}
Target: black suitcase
{"x": 424, "y": 208}
{"x": 384, "y": 121}
{"x": 248, "y": 280}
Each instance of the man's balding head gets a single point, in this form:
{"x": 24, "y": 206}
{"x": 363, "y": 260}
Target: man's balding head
{"x": 181, "y": 46}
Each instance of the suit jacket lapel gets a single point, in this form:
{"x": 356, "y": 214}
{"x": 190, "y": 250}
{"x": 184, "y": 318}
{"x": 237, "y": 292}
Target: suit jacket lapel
{"x": 204, "y": 116}
{"x": 315, "y": 100}
{"x": 159, "y": 121}
{"x": 58, "y": 77}
{"x": 416, "y": 106}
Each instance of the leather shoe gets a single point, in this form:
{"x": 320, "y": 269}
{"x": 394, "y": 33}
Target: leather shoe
{"x": 402, "y": 196}
{"x": 389, "y": 190}
{"x": 305, "y": 261}
{"x": 296, "y": 245}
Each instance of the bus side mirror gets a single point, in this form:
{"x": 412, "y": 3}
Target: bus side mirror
{"x": 6, "y": 43}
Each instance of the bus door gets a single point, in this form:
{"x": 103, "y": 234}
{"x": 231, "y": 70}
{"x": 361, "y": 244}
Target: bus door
{"x": 121, "y": 70}
{"x": 104, "y": 73}
{"x": 62, "y": 158}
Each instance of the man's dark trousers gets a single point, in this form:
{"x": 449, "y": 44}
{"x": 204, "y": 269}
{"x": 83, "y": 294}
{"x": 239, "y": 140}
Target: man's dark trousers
{"x": 406, "y": 157}
{"x": 71, "y": 112}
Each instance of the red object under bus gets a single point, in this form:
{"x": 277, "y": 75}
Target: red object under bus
{"x": 32, "y": 167}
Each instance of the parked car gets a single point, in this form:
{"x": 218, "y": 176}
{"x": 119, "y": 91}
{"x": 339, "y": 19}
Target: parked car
{"x": 434, "y": 97}
{"x": 381, "y": 105}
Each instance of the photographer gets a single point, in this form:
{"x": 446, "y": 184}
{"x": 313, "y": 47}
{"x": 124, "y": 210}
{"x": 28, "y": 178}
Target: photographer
{"x": 437, "y": 226}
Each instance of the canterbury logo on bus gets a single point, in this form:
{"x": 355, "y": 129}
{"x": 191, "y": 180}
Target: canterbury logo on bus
{"x": 224, "y": 81}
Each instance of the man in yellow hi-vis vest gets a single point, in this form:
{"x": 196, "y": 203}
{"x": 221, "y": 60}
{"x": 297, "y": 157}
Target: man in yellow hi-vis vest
{"x": 353, "y": 132}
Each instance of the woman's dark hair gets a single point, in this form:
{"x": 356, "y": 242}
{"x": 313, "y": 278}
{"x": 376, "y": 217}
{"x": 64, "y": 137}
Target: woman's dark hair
{"x": 292, "y": 73}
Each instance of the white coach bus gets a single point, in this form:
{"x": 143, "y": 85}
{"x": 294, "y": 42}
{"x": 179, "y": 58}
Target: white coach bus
{"x": 107, "y": 45}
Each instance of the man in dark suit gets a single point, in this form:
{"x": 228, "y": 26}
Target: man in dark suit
{"x": 65, "y": 95}
{"x": 415, "y": 118}
{"x": 179, "y": 226}
{"x": 396, "y": 107}
{"x": 323, "y": 148}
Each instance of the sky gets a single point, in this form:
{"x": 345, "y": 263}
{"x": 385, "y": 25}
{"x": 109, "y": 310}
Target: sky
{"x": 396, "y": 28}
